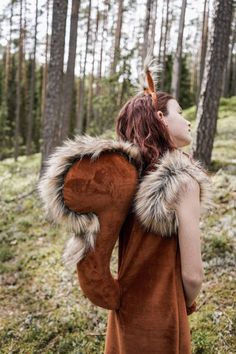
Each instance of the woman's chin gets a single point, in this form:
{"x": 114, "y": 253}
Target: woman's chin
{"x": 184, "y": 142}
{"x": 189, "y": 139}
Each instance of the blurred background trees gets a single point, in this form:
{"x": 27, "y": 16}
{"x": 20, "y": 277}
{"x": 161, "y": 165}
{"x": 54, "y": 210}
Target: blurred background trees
{"x": 68, "y": 66}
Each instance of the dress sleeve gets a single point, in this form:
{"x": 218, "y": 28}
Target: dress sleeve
{"x": 105, "y": 188}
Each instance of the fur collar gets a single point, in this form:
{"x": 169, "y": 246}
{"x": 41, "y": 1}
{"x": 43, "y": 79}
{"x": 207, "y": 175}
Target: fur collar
{"x": 160, "y": 190}
{"x": 156, "y": 193}
{"x": 50, "y": 187}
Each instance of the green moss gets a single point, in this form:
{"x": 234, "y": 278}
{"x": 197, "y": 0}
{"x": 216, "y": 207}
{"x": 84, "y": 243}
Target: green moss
{"x": 217, "y": 246}
{"x": 6, "y": 254}
{"x": 202, "y": 342}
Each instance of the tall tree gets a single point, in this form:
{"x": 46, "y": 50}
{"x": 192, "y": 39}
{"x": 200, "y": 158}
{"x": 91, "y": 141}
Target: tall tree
{"x": 103, "y": 37}
{"x": 18, "y": 84}
{"x": 32, "y": 87}
{"x": 228, "y": 67}
{"x": 204, "y": 41}
{"x": 167, "y": 29}
{"x": 116, "y": 54}
{"x": 68, "y": 83}
{"x": 91, "y": 75}
{"x": 55, "y": 77}
{"x": 207, "y": 109}
{"x": 45, "y": 67}
{"x": 8, "y": 55}
{"x": 80, "y": 121}
{"x": 146, "y": 41}
{"x": 176, "y": 71}
{"x": 4, "y": 112}
{"x": 194, "y": 66}
{"x": 161, "y": 34}
{"x": 233, "y": 81}
{"x": 153, "y": 25}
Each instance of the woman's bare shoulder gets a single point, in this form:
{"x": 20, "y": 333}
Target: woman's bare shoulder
{"x": 189, "y": 197}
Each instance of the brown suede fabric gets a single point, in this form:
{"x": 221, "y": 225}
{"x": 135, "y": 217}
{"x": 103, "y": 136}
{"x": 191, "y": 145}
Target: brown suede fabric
{"x": 147, "y": 311}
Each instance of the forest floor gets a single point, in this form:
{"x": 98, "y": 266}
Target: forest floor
{"x": 42, "y": 308}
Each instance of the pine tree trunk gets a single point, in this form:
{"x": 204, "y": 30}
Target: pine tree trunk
{"x": 5, "y": 91}
{"x": 91, "y": 76}
{"x": 233, "y": 86}
{"x": 68, "y": 84}
{"x": 153, "y": 27}
{"x": 207, "y": 110}
{"x": 228, "y": 67}
{"x": 18, "y": 88}
{"x": 55, "y": 77}
{"x": 45, "y": 68}
{"x": 8, "y": 57}
{"x": 176, "y": 71}
{"x": 204, "y": 41}
{"x": 164, "y": 46}
{"x": 116, "y": 54}
{"x": 81, "y": 123}
{"x": 146, "y": 29}
{"x": 104, "y": 30}
{"x": 32, "y": 88}
{"x": 161, "y": 35}
{"x": 25, "y": 77}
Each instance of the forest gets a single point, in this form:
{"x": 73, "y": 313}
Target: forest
{"x": 66, "y": 68}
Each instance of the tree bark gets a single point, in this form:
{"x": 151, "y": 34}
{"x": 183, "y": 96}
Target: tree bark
{"x": 68, "y": 83}
{"x": 228, "y": 67}
{"x": 207, "y": 110}
{"x": 233, "y": 87}
{"x": 18, "y": 89}
{"x": 176, "y": 71}
{"x": 116, "y": 54}
{"x": 204, "y": 41}
{"x": 162, "y": 81}
{"x": 80, "y": 122}
{"x": 153, "y": 26}
{"x": 55, "y": 77}
{"x": 8, "y": 56}
{"x": 104, "y": 30}
{"x": 91, "y": 75}
{"x": 146, "y": 41}
{"x": 161, "y": 35}
{"x": 32, "y": 88}
{"x": 45, "y": 68}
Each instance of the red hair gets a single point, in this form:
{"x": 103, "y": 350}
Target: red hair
{"x": 138, "y": 123}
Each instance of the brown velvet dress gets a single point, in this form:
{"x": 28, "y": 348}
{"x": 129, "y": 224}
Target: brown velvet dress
{"x": 152, "y": 316}
{"x": 95, "y": 187}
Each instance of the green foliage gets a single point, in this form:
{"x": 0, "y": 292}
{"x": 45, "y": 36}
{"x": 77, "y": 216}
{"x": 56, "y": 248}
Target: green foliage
{"x": 8, "y": 107}
{"x": 186, "y": 97}
{"x": 115, "y": 91}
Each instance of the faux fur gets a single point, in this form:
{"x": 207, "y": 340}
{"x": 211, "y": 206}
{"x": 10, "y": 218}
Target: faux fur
{"x": 160, "y": 191}
{"x": 84, "y": 226}
{"x": 153, "y": 203}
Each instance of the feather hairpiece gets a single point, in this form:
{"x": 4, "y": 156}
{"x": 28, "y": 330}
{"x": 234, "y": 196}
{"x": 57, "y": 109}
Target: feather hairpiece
{"x": 149, "y": 77}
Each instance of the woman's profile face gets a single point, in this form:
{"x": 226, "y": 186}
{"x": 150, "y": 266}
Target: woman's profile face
{"x": 177, "y": 125}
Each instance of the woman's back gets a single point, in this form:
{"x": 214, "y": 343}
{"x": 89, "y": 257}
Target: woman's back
{"x": 152, "y": 317}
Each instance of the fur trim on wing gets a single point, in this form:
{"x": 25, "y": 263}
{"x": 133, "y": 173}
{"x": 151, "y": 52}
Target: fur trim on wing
{"x": 84, "y": 226}
{"x": 161, "y": 189}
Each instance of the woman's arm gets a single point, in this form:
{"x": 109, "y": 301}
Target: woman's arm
{"x": 188, "y": 214}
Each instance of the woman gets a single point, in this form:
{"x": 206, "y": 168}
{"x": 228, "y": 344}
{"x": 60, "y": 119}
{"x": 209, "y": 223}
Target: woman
{"x": 143, "y": 191}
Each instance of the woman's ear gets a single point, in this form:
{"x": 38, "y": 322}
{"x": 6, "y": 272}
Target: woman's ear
{"x": 162, "y": 117}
